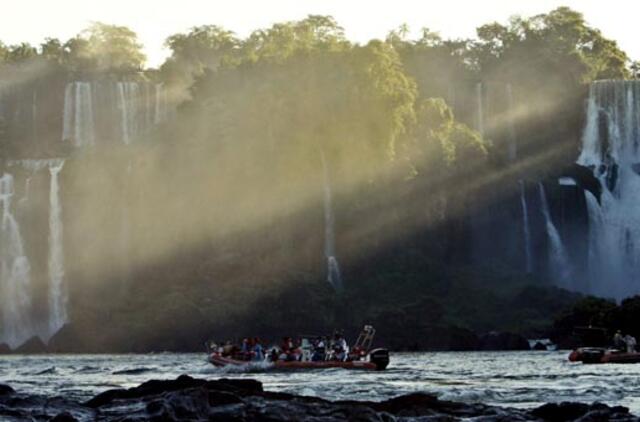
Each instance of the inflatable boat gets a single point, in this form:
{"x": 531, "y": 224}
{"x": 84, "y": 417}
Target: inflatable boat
{"x": 361, "y": 357}
{"x": 603, "y": 355}
{"x": 377, "y": 360}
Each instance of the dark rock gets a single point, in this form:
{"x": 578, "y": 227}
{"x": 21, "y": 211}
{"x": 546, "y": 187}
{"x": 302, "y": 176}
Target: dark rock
{"x": 503, "y": 341}
{"x": 32, "y": 346}
{"x": 64, "y": 417}
{"x": 560, "y": 412}
{"x": 187, "y": 398}
{"x": 5, "y": 390}
{"x": 4, "y": 349}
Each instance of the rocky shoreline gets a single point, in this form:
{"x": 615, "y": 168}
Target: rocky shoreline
{"x": 191, "y": 399}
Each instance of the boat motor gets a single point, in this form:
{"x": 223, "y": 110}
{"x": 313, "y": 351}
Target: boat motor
{"x": 379, "y": 357}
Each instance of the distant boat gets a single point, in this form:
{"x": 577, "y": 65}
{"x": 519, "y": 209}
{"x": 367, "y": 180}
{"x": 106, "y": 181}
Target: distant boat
{"x": 542, "y": 344}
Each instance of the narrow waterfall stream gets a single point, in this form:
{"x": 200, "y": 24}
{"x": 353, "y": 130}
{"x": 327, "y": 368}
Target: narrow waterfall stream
{"x": 558, "y": 257}
{"x": 333, "y": 268}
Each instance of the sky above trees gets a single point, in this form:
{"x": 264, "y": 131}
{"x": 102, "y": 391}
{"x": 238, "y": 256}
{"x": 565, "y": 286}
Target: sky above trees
{"x": 154, "y": 21}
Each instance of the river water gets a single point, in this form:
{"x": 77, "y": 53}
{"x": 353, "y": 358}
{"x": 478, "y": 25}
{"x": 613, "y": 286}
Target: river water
{"x": 513, "y": 379}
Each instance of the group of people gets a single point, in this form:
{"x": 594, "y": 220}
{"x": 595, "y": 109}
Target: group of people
{"x": 626, "y": 343}
{"x": 318, "y": 349}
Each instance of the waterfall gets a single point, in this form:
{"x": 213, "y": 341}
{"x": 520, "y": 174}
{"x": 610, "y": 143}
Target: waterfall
{"x": 558, "y": 258}
{"x": 480, "y": 116}
{"x": 57, "y": 293}
{"x": 67, "y": 117}
{"x": 135, "y": 106}
{"x": 15, "y": 279}
{"x": 333, "y": 268}
{"x": 84, "y": 129}
{"x": 526, "y": 228}
{"x": 78, "y": 116}
{"x": 611, "y": 149}
{"x": 513, "y": 138}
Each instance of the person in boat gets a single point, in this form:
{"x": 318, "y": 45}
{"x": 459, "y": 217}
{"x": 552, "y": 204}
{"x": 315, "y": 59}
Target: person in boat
{"x": 244, "y": 347}
{"x": 227, "y": 348}
{"x": 340, "y": 348}
{"x": 286, "y": 349}
{"x": 631, "y": 343}
{"x": 296, "y": 351}
{"x": 258, "y": 353}
{"x": 319, "y": 350}
{"x": 618, "y": 341}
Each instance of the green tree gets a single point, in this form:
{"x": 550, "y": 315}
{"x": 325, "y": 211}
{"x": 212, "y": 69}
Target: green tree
{"x": 52, "y": 50}
{"x": 203, "y": 47}
{"x": 105, "y": 48}
{"x": 21, "y": 52}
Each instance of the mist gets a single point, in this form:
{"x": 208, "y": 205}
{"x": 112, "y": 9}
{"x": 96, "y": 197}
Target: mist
{"x": 292, "y": 179}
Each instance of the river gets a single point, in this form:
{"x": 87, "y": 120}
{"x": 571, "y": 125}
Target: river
{"x": 512, "y": 379}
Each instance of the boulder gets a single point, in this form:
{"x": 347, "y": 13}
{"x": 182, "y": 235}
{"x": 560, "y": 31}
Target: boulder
{"x": 187, "y": 398}
{"x": 5, "y": 390}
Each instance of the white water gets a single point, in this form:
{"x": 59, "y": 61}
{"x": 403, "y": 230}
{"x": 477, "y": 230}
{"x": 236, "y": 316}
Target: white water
{"x": 57, "y": 293}
{"x": 57, "y": 296}
{"x": 15, "y": 279}
{"x": 78, "y": 118}
{"x": 610, "y": 148}
{"x": 333, "y": 268}
{"x": 558, "y": 258}
{"x": 137, "y": 107}
{"x": 526, "y": 229}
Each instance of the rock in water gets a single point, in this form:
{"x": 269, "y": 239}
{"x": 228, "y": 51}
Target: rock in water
{"x": 187, "y": 398}
{"x": 5, "y": 390}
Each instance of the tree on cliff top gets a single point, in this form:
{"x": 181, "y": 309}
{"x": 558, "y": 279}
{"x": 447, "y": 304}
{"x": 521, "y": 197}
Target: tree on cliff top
{"x": 105, "y": 47}
{"x": 203, "y": 47}
{"x": 557, "y": 42}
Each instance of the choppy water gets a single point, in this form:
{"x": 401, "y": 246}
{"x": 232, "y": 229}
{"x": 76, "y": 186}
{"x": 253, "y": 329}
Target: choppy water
{"x": 517, "y": 379}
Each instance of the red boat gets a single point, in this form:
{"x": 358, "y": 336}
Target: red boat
{"x": 603, "y": 355}
{"x": 362, "y": 357}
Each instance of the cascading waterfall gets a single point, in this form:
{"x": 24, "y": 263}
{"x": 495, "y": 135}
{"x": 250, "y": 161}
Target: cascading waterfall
{"x": 333, "y": 268}
{"x": 57, "y": 293}
{"x": 15, "y": 279}
{"x": 611, "y": 149}
{"x": 526, "y": 229}
{"x": 558, "y": 257}
{"x": 78, "y": 118}
{"x": 135, "y": 106}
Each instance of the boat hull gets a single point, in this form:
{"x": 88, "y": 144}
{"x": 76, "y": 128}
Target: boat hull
{"x": 601, "y": 355}
{"x": 379, "y": 359}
